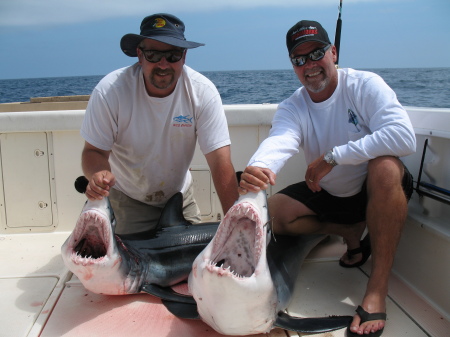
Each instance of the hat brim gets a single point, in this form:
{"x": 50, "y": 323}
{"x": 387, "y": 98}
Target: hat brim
{"x": 309, "y": 40}
{"x": 129, "y": 43}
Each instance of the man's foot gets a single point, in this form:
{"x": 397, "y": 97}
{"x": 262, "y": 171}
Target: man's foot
{"x": 358, "y": 256}
{"x": 367, "y": 324}
{"x": 352, "y": 235}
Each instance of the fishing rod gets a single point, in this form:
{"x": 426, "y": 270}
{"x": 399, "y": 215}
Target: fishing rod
{"x": 337, "y": 37}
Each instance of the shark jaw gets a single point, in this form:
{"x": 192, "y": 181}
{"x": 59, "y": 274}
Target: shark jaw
{"x": 91, "y": 241}
{"x": 91, "y": 252}
{"x": 238, "y": 244}
{"x": 125, "y": 263}
{"x": 233, "y": 267}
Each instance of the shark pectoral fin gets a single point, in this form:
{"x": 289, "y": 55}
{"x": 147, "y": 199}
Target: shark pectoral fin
{"x": 167, "y": 293}
{"x": 182, "y": 310}
{"x": 312, "y": 325}
{"x": 182, "y": 306}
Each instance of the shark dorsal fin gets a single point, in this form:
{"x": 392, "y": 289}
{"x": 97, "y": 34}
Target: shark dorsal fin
{"x": 172, "y": 213}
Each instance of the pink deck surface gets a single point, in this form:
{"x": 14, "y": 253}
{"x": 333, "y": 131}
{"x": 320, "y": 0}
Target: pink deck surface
{"x": 83, "y": 313}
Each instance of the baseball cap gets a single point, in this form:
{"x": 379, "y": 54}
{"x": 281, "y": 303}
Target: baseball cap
{"x": 304, "y": 31}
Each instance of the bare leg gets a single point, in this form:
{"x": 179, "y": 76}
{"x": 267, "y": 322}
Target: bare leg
{"x": 386, "y": 215}
{"x": 291, "y": 217}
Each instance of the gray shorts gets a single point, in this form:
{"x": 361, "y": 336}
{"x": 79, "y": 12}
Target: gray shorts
{"x": 133, "y": 216}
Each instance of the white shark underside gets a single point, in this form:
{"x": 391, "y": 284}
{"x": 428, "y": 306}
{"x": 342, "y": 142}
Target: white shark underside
{"x": 230, "y": 279}
{"x": 241, "y": 283}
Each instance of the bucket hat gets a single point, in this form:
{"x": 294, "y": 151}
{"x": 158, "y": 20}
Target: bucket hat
{"x": 161, "y": 27}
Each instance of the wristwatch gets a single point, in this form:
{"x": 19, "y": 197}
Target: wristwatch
{"x": 329, "y": 158}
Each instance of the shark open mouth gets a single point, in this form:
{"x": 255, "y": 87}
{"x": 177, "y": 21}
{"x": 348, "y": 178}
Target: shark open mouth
{"x": 238, "y": 243}
{"x": 92, "y": 238}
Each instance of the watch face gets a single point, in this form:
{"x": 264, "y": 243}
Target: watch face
{"x": 329, "y": 158}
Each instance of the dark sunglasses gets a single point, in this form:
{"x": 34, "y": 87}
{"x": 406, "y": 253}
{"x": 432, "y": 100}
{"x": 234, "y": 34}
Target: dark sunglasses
{"x": 315, "y": 55}
{"x": 154, "y": 56}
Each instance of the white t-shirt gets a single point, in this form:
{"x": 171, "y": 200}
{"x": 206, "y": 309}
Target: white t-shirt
{"x": 362, "y": 120}
{"x": 152, "y": 140}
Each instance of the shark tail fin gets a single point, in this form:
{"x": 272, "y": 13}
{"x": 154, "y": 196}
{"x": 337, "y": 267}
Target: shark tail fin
{"x": 312, "y": 325}
{"x": 182, "y": 306}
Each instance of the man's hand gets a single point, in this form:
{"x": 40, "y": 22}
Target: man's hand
{"x": 318, "y": 169}
{"x": 99, "y": 185}
{"x": 254, "y": 179}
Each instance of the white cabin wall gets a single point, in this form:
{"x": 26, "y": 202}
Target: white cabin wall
{"x": 424, "y": 250}
{"x": 249, "y": 125}
{"x": 67, "y": 147}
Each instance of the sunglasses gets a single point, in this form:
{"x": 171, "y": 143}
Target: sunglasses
{"x": 315, "y": 55}
{"x": 154, "y": 56}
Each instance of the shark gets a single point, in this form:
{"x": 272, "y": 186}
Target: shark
{"x": 111, "y": 264}
{"x": 242, "y": 282}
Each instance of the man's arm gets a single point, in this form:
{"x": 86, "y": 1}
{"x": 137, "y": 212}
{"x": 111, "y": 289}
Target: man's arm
{"x": 224, "y": 176}
{"x": 97, "y": 170}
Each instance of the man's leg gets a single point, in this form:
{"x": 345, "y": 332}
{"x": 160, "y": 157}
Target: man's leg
{"x": 385, "y": 217}
{"x": 291, "y": 217}
{"x": 191, "y": 211}
{"x": 132, "y": 216}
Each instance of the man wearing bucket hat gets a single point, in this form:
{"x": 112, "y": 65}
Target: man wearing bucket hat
{"x": 352, "y": 130}
{"x": 141, "y": 126}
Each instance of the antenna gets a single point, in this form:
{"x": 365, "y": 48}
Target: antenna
{"x": 337, "y": 37}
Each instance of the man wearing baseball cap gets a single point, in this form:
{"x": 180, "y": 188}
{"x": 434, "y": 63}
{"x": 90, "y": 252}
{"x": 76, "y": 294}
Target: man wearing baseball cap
{"x": 352, "y": 130}
{"x": 141, "y": 126}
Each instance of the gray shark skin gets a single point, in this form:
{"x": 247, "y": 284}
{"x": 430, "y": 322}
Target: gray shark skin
{"x": 113, "y": 264}
{"x": 243, "y": 281}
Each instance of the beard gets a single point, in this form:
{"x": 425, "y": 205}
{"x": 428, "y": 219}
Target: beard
{"x": 162, "y": 78}
{"x": 317, "y": 84}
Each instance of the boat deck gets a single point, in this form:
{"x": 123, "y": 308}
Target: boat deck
{"x": 41, "y": 298}
{"x": 40, "y": 158}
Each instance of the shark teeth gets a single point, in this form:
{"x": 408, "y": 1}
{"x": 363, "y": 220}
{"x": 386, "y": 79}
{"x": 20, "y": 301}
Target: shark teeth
{"x": 214, "y": 266}
{"x": 91, "y": 240}
{"x": 239, "y": 242}
{"x": 240, "y": 211}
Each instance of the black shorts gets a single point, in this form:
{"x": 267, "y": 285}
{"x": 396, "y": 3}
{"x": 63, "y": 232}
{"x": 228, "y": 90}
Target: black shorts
{"x": 341, "y": 210}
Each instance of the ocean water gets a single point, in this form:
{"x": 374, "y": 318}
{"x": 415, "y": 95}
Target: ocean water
{"x": 425, "y": 87}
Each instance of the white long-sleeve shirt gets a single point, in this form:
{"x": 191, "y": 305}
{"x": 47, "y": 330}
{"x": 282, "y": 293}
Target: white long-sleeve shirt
{"x": 362, "y": 120}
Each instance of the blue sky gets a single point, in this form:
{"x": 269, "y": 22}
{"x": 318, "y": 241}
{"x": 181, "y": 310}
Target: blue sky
{"x": 51, "y": 38}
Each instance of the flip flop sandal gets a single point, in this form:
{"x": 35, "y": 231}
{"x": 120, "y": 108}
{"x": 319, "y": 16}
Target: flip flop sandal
{"x": 366, "y": 317}
{"x": 364, "y": 248}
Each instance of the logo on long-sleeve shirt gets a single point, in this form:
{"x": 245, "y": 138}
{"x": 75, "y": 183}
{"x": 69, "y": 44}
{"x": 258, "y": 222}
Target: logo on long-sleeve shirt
{"x": 353, "y": 119}
{"x": 182, "y": 121}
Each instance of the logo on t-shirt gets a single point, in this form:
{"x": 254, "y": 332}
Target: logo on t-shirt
{"x": 182, "y": 121}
